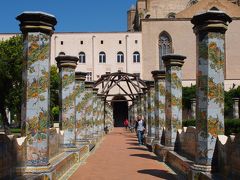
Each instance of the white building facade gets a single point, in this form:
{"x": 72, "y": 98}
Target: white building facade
{"x": 100, "y": 53}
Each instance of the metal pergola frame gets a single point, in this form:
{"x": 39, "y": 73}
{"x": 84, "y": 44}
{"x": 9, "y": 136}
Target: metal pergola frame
{"x": 110, "y": 80}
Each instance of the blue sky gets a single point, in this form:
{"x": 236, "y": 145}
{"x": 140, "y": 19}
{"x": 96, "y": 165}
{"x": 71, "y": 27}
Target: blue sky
{"x": 72, "y": 15}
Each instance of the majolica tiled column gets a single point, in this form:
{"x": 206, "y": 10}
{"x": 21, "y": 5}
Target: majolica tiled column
{"x": 100, "y": 112}
{"x": 150, "y": 110}
{"x": 89, "y": 109}
{"x": 210, "y": 30}
{"x": 138, "y": 101}
{"x": 142, "y": 104}
{"x": 67, "y": 65}
{"x": 160, "y": 93}
{"x": 173, "y": 112}
{"x": 103, "y": 113}
{"x": 130, "y": 113}
{"x": 193, "y": 108}
{"x": 135, "y": 111}
{"x": 235, "y": 108}
{"x": 79, "y": 101}
{"x": 95, "y": 111}
{"x": 145, "y": 104}
{"x": 37, "y": 29}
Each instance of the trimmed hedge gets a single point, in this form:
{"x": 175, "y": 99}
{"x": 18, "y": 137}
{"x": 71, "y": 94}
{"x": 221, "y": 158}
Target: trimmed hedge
{"x": 232, "y": 126}
{"x": 15, "y": 130}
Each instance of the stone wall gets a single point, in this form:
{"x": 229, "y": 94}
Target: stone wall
{"x": 12, "y": 154}
{"x": 226, "y": 160}
{"x": 228, "y": 156}
{"x": 54, "y": 142}
{"x": 186, "y": 141}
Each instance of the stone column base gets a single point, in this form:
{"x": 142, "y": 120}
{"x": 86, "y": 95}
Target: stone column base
{"x": 148, "y": 142}
{"x": 198, "y": 171}
{"x": 58, "y": 165}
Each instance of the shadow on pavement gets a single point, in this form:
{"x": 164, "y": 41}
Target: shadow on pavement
{"x": 132, "y": 143}
{"x": 139, "y": 148}
{"x": 132, "y": 139}
{"x": 158, "y": 173}
{"x": 147, "y": 156}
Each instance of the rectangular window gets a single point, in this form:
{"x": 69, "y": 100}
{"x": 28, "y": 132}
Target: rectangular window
{"x": 61, "y": 42}
{"x": 120, "y": 42}
{"x": 136, "y": 41}
{"x": 101, "y": 41}
{"x": 102, "y": 57}
{"x": 81, "y": 42}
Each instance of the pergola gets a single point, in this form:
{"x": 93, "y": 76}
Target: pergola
{"x": 120, "y": 84}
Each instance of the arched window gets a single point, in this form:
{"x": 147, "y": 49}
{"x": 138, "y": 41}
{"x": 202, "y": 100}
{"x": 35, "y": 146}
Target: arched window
{"x": 82, "y": 57}
{"x": 120, "y": 57}
{"x": 136, "y": 57}
{"x": 102, "y": 57}
{"x": 165, "y": 47}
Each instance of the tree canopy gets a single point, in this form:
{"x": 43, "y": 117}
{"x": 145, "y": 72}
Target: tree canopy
{"x": 11, "y": 85}
{"x": 11, "y": 56}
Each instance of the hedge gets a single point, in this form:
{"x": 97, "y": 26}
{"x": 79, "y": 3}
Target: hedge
{"x": 232, "y": 126}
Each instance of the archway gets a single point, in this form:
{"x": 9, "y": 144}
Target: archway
{"x": 119, "y": 88}
{"x": 120, "y": 110}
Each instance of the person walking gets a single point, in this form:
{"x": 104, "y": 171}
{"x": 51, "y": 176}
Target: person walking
{"x": 126, "y": 123}
{"x": 140, "y": 127}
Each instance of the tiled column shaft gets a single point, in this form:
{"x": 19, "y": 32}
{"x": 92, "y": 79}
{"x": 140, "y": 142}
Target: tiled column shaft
{"x": 173, "y": 112}
{"x": 150, "y": 110}
{"x": 135, "y": 113}
{"x": 235, "y": 108}
{"x": 95, "y": 111}
{"x": 80, "y": 102}
{"x": 145, "y": 97}
{"x": 103, "y": 113}
{"x": 160, "y": 93}
{"x": 100, "y": 110}
{"x": 89, "y": 109}
{"x": 138, "y": 101}
{"x": 37, "y": 29}
{"x": 142, "y": 105}
{"x": 210, "y": 30}
{"x": 67, "y": 65}
{"x": 193, "y": 108}
{"x": 129, "y": 113}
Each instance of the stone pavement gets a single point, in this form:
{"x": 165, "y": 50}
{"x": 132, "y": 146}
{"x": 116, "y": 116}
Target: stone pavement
{"x": 119, "y": 157}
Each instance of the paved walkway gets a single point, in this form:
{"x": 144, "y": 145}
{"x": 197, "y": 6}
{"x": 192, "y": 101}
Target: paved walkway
{"x": 119, "y": 157}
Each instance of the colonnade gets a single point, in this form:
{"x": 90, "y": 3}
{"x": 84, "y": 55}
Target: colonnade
{"x": 163, "y": 97}
{"x": 81, "y": 108}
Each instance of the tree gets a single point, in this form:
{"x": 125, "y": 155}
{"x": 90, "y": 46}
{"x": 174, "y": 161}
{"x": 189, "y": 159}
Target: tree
{"x": 228, "y": 101}
{"x": 11, "y": 56}
{"x": 188, "y": 94}
{"x": 54, "y": 93}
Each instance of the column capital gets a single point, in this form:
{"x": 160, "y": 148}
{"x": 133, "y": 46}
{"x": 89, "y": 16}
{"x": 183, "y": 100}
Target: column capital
{"x": 95, "y": 90}
{"x": 193, "y": 100}
{"x": 236, "y": 99}
{"x": 36, "y": 21}
{"x": 67, "y": 61}
{"x": 211, "y": 21}
{"x": 150, "y": 84}
{"x": 144, "y": 89}
{"x": 173, "y": 60}
{"x": 89, "y": 84}
{"x": 159, "y": 74}
{"x": 81, "y": 76}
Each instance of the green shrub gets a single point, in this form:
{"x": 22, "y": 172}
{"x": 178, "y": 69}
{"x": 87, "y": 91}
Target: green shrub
{"x": 15, "y": 130}
{"x": 232, "y": 126}
{"x": 190, "y": 122}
